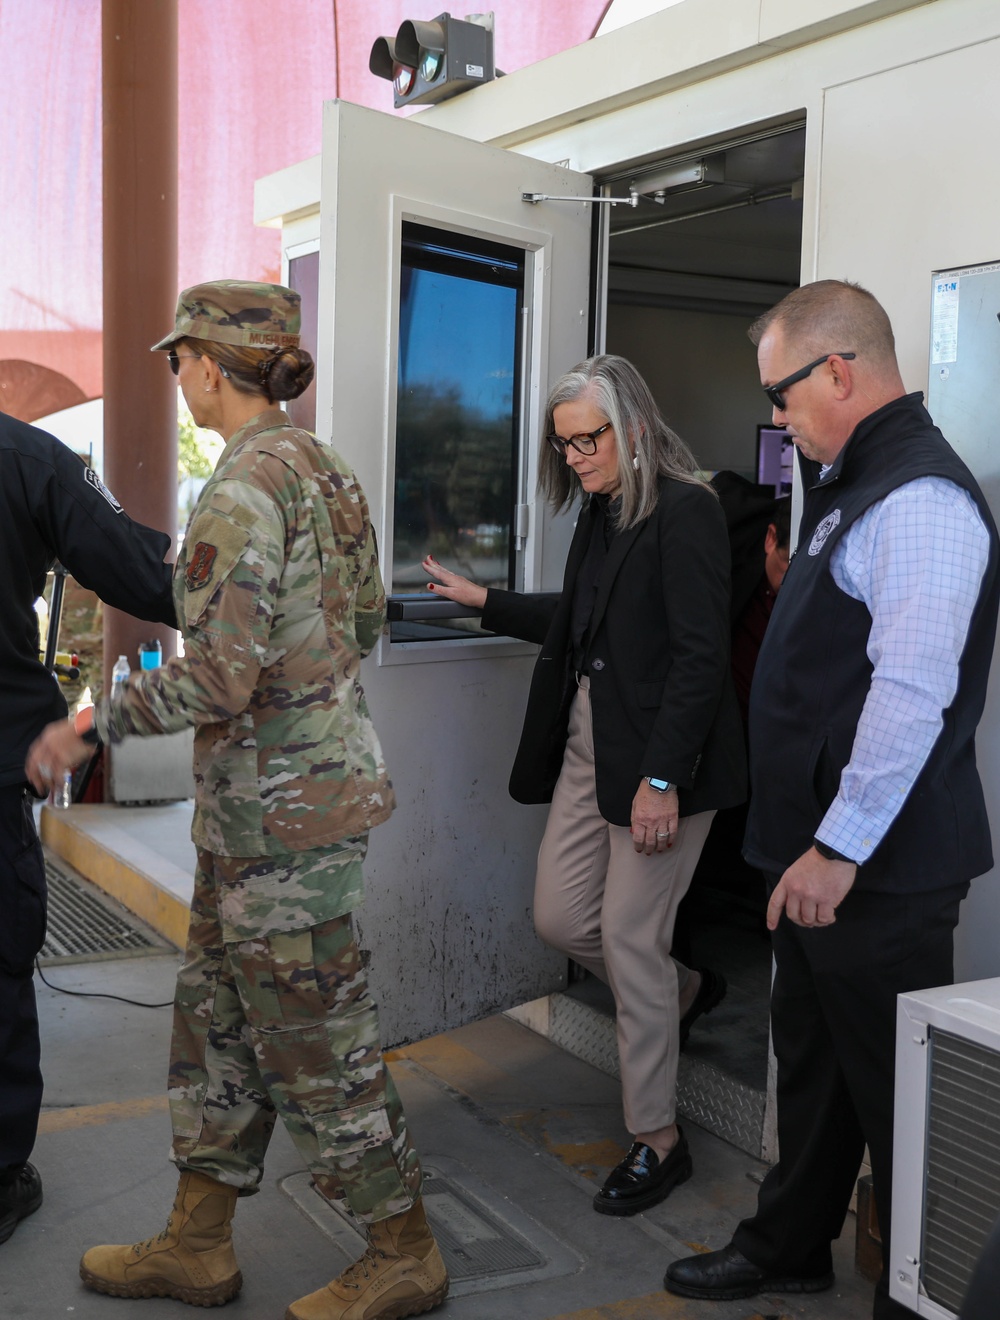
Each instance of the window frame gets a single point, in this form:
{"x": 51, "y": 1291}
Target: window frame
{"x": 532, "y": 371}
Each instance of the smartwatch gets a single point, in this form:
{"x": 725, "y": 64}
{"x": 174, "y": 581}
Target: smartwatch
{"x": 829, "y": 853}
{"x": 661, "y": 785}
{"x": 85, "y": 728}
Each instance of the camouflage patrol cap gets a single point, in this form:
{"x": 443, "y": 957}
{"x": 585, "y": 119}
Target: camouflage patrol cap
{"x": 237, "y": 312}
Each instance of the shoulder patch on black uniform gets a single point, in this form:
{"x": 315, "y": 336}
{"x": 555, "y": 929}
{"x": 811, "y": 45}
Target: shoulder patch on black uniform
{"x": 94, "y": 480}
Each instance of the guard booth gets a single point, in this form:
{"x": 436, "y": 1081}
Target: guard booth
{"x": 754, "y": 146}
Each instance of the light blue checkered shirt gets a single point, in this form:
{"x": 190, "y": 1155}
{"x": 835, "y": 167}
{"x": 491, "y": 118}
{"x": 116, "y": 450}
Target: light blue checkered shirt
{"x": 916, "y": 559}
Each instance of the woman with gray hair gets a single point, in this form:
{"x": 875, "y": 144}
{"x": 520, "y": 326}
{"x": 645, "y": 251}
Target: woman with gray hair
{"x": 631, "y": 732}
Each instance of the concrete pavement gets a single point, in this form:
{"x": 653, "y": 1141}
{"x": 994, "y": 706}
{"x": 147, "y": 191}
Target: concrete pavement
{"x": 514, "y": 1132}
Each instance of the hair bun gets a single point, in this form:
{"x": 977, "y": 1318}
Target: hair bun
{"x": 286, "y": 372}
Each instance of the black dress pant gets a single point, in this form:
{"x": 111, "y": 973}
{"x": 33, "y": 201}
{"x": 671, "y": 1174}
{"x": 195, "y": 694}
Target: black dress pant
{"x": 833, "y": 1019}
{"x": 983, "y": 1297}
{"x": 22, "y": 932}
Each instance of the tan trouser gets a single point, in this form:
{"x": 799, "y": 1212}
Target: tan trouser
{"x": 612, "y": 910}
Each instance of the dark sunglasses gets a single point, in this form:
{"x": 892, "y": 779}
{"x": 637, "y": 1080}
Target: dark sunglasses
{"x": 174, "y": 358}
{"x": 584, "y": 443}
{"x": 776, "y": 393}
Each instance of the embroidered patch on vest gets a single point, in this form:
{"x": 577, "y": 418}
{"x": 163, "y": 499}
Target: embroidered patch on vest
{"x": 823, "y": 531}
{"x": 92, "y": 479}
{"x": 200, "y": 565}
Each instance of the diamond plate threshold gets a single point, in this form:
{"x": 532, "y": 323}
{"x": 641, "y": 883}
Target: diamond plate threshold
{"x": 709, "y": 1097}
{"x": 86, "y": 926}
{"x": 486, "y": 1241}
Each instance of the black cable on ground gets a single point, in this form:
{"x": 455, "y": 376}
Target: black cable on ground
{"x": 97, "y": 994}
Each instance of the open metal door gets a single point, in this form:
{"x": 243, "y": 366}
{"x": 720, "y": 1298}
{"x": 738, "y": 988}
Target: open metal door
{"x": 447, "y": 916}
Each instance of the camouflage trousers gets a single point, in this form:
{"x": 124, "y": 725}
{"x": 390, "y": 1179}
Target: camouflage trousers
{"x": 283, "y": 1024}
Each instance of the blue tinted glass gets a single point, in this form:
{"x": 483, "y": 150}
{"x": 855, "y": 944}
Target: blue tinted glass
{"x": 456, "y": 427}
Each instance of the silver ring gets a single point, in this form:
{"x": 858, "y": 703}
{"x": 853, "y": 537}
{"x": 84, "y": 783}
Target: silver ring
{"x": 665, "y": 835}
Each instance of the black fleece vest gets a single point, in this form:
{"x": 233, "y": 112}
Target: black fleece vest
{"x": 813, "y": 677}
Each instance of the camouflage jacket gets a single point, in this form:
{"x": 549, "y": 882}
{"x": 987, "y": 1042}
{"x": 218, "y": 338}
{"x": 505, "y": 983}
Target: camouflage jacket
{"x": 278, "y": 596}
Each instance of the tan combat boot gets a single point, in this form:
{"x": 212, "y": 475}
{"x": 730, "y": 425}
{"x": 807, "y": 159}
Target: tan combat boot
{"x": 401, "y": 1274}
{"x": 192, "y": 1260}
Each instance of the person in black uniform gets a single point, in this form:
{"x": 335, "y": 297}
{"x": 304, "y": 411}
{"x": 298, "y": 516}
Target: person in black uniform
{"x": 51, "y": 507}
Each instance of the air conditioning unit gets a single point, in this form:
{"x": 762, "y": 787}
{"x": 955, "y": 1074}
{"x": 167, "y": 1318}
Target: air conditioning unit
{"x": 946, "y": 1157}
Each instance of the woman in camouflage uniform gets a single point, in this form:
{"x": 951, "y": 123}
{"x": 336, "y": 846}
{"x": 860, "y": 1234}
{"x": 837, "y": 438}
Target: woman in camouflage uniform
{"x": 279, "y": 596}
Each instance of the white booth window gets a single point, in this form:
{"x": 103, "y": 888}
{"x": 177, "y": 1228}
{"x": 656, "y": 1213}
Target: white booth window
{"x": 458, "y": 424}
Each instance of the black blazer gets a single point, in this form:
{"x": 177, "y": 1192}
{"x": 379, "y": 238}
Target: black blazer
{"x": 661, "y": 692}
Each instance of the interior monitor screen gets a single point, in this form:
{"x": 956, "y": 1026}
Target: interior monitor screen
{"x": 775, "y": 456}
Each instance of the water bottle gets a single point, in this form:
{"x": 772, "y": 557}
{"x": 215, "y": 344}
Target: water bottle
{"x": 62, "y": 794}
{"x": 119, "y": 677}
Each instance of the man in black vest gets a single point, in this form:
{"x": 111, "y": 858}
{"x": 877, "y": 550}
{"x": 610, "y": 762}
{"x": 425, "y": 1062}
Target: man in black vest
{"x": 867, "y": 813}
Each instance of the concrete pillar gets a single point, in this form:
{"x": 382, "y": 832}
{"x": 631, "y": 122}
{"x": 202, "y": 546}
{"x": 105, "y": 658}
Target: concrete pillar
{"x": 139, "y": 48}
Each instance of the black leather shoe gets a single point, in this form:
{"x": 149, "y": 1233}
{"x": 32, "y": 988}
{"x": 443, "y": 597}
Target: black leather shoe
{"x": 643, "y": 1179}
{"x": 726, "y": 1275}
{"x": 18, "y": 1199}
{"x": 711, "y": 992}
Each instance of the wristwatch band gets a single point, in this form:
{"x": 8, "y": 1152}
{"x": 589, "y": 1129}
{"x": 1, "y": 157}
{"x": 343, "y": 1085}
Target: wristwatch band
{"x": 85, "y": 728}
{"x": 829, "y": 853}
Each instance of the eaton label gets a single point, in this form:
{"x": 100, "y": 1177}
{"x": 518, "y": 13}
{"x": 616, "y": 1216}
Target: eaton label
{"x": 473, "y": 71}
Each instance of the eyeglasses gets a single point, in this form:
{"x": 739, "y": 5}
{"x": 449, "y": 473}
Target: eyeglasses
{"x": 584, "y": 443}
{"x": 776, "y": 393}
{"x": 174, "y": 358}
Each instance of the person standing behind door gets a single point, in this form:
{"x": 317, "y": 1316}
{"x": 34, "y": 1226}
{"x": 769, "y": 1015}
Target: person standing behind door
{"x": 867, "y": 813}
{"x": 759, "y": 530}
{"x": 631, "y": 731}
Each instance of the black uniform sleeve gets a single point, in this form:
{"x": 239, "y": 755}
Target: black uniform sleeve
{"x": 93, "y": 537}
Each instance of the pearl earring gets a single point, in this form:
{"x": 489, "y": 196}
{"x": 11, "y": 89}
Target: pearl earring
{"x": 635, "y": 462}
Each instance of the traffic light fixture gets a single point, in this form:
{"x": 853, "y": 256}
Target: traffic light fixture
{"x": 429, "y": 62}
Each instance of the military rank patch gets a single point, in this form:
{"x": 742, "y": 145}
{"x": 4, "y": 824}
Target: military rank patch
{"x": 200, "y": 565}
{"x": 92, "y": 479}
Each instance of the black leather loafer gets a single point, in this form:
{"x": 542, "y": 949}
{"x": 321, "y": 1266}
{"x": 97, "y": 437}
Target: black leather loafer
{"x": 18, "y": 1199}
{"x": 643, "y": 1179}
{"x": 711, "y": 992}
{"x": 727, "y": 1275}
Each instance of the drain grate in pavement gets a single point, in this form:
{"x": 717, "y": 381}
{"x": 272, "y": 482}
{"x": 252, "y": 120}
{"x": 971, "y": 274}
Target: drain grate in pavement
{"x": 474, "y": 1243}
{"x": 84, "y": 925}
{"x": 483, "y": 1249}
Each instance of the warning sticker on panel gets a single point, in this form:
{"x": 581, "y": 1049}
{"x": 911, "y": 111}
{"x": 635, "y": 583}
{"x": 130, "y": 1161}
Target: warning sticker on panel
{"x": 944, "y": 320}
